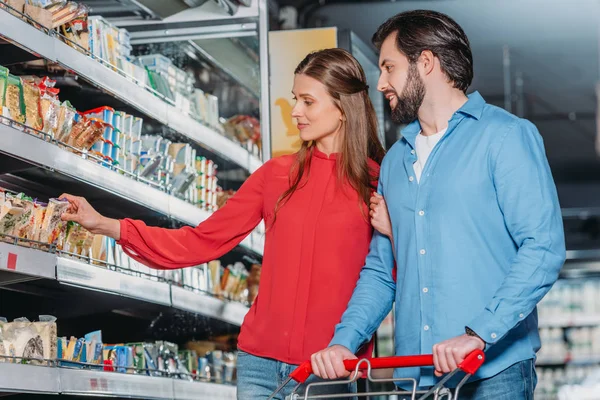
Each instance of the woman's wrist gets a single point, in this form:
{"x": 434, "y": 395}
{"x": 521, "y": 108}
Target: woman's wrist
{"x": 109, "y": 227}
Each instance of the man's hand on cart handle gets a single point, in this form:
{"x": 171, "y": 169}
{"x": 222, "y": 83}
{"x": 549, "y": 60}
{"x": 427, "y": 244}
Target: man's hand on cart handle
{"x": 448, "y": 354}
{"x": 329, "y": 363}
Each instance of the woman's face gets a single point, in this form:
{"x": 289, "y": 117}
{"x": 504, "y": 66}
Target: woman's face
{"x": 315, "y": 112}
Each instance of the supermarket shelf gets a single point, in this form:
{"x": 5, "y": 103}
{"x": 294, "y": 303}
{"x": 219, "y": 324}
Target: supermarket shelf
{"x": 204, "y": 304}
{"x": 185, "y": 390}
{"x": 88, "y": 276}
{"x": 40, "y": 264}
{"x": 99, "y": 383}
{"x": 39, "y": 152}
{"x": 565, "y": 321}
{"x": 18, "y": 378}
{"x": 23, "y": 261}
{"x": 123, "y": 88}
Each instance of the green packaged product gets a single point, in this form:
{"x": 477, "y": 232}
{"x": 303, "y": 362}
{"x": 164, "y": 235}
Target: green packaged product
{"x": 14, "y": 105}
{"x": 3, "y": 84}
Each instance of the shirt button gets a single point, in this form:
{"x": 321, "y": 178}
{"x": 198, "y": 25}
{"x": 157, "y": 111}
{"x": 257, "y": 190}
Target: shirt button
{"x": 521, "y": 315}
{"x": 426, "y": 327}
{"x": 412, "y": 152}
{"x": 425, "y": 290}
{"x": 421, "y": 213}
{"x": 422, "y": 252}
{"x": 494, "y": 336}
{"x": 411, "y": 178}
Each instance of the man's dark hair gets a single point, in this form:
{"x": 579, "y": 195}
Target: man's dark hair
{"x": 422, "y": 30}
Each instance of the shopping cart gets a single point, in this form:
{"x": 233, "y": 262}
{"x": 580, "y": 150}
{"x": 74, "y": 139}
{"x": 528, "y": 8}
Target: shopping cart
{"x": 469, "y": 366}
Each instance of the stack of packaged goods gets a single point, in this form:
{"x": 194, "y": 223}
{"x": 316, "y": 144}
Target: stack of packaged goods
{"x": 245, "y": 130}
{"x": 121, "y": 144}
{"x": 112, "y": 46}
{"x": 233, "y": 282}
{"x": 37, "y": 343}
{"x": 207, "y": 189}
{"x": 33, "y": 101}
{"x": 41, "y": 224}
{"x": 206, "y": 108}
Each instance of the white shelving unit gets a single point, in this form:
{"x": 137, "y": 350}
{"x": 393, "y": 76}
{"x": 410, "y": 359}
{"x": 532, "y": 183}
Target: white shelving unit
{"x": 43, "y": 157}
{"x": 24, "y": 262}
{"x": 17, "y": 378}
{"x": 51, "y": 48}
{"x": 35, "y": 150}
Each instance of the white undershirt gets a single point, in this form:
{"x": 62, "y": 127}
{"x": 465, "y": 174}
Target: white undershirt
{"x": 424, "y": 146}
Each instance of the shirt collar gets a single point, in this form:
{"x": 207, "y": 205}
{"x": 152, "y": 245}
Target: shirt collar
{"x": 473, "y": 108}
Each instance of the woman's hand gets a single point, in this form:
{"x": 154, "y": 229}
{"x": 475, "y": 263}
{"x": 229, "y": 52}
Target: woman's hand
{"x": 380, "y": 219}
{"x": 84, "y": 214}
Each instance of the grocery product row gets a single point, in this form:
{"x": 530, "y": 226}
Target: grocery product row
{"x": 575, "y": 345}
{"x": 568, "y": 382}
{"x": 31, "y": 229}
{"x": 112, "y": 138}
{"x": 188, "y": 110}
{"x": 571, "y": 302}
{"x": 81, "y": 174}
{"x": 205, "y": 366}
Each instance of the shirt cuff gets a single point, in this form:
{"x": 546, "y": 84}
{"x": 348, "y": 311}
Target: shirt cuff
{"x": 349, "y": 338}
{"x": 488, "y": 327}
{"x": 124, "y": 237}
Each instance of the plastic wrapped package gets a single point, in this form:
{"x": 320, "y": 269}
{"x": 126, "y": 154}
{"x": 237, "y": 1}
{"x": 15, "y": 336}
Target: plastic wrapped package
{"x": 12, "y": 209}
{"x": 63, "y": 13}
{"x": 50, "y": 106}
{"x": 53, "y": 224}
{"x": 79, "y": 127}
{"x": 14, "y": 106}
{"x": 92, "y": 134}
{"x": 66, "y": 118}
{"x": 30, "y": 340}
{"x": 37, "y": 219}
{"x": 23, "y": 225}
{"x": 3, "y": 84}
{"x": 98, "y": 249}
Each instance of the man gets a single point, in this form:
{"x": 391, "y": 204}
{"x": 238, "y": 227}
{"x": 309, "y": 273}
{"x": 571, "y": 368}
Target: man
{"x": 475, "y": 217}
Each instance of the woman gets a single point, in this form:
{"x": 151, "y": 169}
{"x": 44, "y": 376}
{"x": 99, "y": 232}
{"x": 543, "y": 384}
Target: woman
{"x": 315, "y": 204}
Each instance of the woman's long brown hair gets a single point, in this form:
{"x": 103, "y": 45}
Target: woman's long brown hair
{"x": 346, "y": 83}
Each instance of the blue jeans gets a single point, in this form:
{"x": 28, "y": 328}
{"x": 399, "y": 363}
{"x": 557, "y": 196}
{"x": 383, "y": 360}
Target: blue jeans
{"x": 517, "y": 382}
{"x": 258, "y": 378}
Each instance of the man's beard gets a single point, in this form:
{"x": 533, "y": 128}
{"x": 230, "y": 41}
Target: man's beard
{"x": 410, "y": 100}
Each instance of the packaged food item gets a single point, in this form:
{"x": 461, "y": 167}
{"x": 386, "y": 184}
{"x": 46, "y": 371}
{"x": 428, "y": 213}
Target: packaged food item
{"x": 14, "y": 106}
{"x": 80, "y": 126}
{"x": 215, "y": 275}
{"x": 37, "y": 219}
{"x": 3, "y": 85}
{"x": 67, "y": 12}
{"x": 53, "y": 224}
{"x": 39, "y": 17}
{"x": 10, "y": 213}
{"x": 98, "y": 249}
{"x": 17, "y": 5}
{"x": 50, "y": 105}
{"x": 33, "y": 111}
{"x": 90, "y": 135}
{"x": 66, "y": 118}
{"x": 23, "y": 225}
{"x": 77, "y": 33}
{"x": 35, "y": 341}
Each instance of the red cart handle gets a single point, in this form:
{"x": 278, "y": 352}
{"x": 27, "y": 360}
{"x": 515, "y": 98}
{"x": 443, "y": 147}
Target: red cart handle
{"x": 470, "y": 365}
